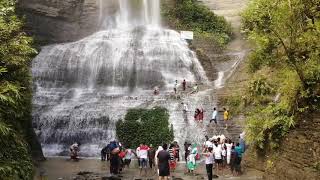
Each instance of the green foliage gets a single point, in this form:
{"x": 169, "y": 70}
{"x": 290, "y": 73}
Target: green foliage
{"x": 15, "y": 95}
{"x": 259, "y": 87}
{"x": 193, "y": 16}
{"x": 150, "y": 126}
{"x": 15, "y": 160}
{"x": 267, "y": 125}
{"x": 286, "y": 36}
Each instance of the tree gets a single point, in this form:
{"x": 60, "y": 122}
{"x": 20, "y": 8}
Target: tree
{"x": 15, "y": 95}
{"x": 287, "y": 33}
{"x": 150, "y": 126}
{"x": 286, "y": 36}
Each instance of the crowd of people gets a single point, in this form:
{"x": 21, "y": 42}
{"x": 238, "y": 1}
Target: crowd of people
{"x": 161, "y": 160}
{"x": 218, "y": 153}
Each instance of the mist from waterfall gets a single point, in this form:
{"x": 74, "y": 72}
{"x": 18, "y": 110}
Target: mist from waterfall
{"x": 83, "y": 88}
{"x": 131, "y": 13}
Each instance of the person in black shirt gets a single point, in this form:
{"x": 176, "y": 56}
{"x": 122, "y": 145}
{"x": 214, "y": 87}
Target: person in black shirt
{"x": 163, "y": 163}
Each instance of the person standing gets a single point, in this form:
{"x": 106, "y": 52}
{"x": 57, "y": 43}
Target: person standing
{"x": 114, "y": 158}
{"x": 177, "y": 148}
{"x": 151, "y": 155}
{"x": 156, "y": 158}
{"x": 214, "y": 116}
{"x": 175, "y": 88}
{"x": 186, "y": 151}
{"x": 218, "y": 155}
{"x": 129, "y": 155}
{"x": 163, "y": 158}
{"x": 192, "y": 159}
{"x": 226, "y": 117}
{"x": 229, "y": 145}
{"x": 239, "y": 151}
{"x": 209, "y": 161}
{"x": 138, "y": 154}
{"x": 242, "y": 142}
{"x": 172, "y": 153}
{"x": 143, "y": 153}
{"x": 233, "y": 160}
{"x": 185, "y": 111}
{"x": 184, "y": 85}
{"x": 207, "y": 143}
{"x": 197, "y": 114}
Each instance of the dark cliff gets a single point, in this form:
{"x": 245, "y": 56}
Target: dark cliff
{"x": 55, "y": 21}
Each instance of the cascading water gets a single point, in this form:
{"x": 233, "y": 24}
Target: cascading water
{"x": 82, "y": 88}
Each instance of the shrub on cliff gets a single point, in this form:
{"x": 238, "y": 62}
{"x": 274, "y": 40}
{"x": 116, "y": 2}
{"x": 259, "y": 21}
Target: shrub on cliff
{"x": 194, "y": 16}
{"x": 15, "y": 95}
{"x": 150, "y": 126}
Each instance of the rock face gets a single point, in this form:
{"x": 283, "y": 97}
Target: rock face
{"x": 55, "y": 21}
{"x": 298, "y": 157}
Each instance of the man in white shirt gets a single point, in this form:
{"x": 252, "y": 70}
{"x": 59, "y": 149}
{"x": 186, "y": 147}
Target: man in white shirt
{"x": 185, "y": 111}
{"x": 218, "y": 155}
{"x": 208, "y": 143}
{"x": 214, "y": 116}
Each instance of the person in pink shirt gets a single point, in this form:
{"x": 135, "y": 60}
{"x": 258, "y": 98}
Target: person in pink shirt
{"x": 143, "y": 154}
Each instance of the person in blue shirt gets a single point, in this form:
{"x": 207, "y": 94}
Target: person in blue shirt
{"x": 239, "y": 152}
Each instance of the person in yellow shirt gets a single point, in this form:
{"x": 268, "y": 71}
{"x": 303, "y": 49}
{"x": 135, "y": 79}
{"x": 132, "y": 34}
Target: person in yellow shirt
{"x": 226, "y": 117}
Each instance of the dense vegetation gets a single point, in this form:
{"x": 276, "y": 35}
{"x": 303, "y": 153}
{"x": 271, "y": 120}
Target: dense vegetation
{"x": 285, "y": 67}
{"x": 150, "y": 126}
{"x": 193, "y": 16}
{"x": 15, "y": 95}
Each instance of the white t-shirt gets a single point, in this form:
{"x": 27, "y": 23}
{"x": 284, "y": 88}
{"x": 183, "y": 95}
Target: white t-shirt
{"x": 224, "y": 151}
{"x": 185, "y": 107}
{"x": 209, "y": 159}
{"x": 129, "y": 154}
{"x": 214, "y": 114}
{"x": 229, "y": 147}
{"x": 208, "y": 144}
{"x": 143, "y": 152}
{"x": 217, "y": 152}
{"x": 138, "y": 152}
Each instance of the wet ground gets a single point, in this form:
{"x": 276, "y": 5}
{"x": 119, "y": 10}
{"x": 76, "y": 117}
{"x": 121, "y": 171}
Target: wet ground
{"x": 94, "y": 169}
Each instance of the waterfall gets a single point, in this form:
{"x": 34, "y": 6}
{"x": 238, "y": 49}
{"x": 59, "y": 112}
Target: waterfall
{"x": 83, "y": 88}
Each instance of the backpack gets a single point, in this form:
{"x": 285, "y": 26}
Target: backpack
{"x": 122, "y": 154}
{"x": 197, "y": 156}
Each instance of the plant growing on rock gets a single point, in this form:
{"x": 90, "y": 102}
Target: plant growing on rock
{"x": 150, "y": 126}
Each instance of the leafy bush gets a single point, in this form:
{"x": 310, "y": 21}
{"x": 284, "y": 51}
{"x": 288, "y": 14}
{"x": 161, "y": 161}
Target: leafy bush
{"x": 193, "y": 16}
{"x": 260, "y": 87}
{"x": 285, "y": 35}
{"x": 150, "y": 126}
{"x": 15, "y": 95}
{"x": 15, "y": 160}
